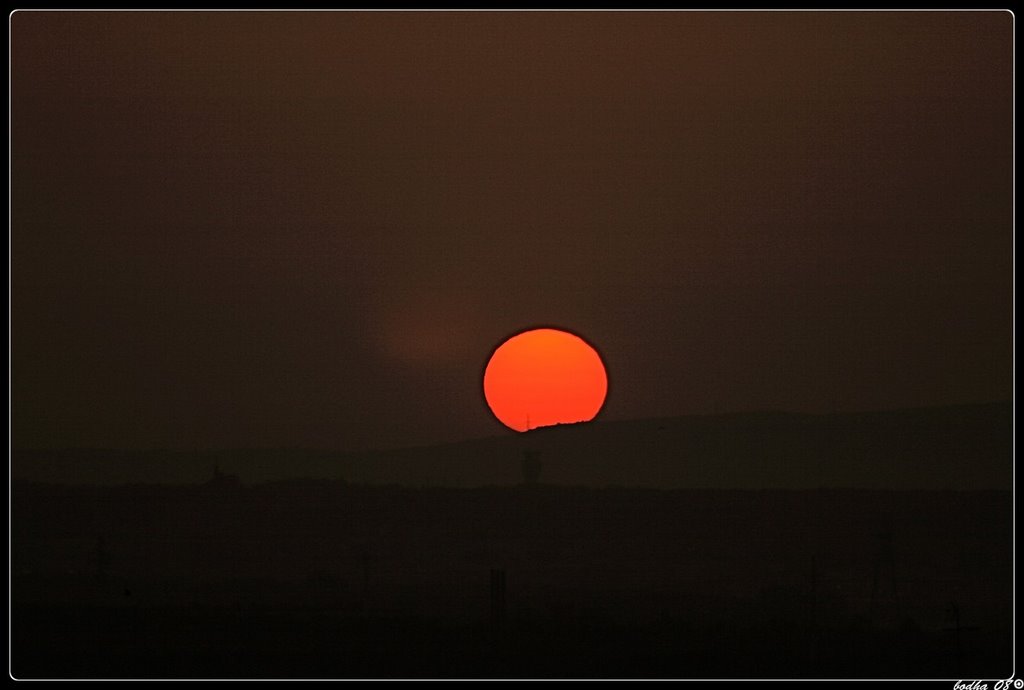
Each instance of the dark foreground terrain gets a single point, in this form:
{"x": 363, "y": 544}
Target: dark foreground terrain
{"x": 329, "y": 580}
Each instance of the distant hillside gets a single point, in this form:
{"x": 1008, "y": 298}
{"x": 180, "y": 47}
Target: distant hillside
{"x": 956, "y": 447}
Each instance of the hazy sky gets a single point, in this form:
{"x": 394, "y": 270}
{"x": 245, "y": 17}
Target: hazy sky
{"x": 310, "y": 229}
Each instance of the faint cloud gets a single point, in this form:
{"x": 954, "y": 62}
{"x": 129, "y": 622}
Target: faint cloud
{"x": 431, "y": 329}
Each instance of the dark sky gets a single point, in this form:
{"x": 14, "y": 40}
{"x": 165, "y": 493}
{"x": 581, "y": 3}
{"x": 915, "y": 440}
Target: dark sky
{"x": 310, "y": 229}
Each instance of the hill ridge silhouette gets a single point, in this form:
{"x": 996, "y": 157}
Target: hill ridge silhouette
{"x": 941, "y": 447}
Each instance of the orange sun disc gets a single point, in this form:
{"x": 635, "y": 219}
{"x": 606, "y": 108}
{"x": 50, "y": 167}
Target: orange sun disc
{"x": 543, "y": 377}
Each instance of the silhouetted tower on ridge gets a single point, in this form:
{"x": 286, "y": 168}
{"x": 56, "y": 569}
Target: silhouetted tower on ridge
{"x": 222, "y": 481}
{"x": 531, "y": 467}
{"x": 531, "y": 461}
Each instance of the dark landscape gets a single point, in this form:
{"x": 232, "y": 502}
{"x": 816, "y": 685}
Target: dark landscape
{"x": 324, "y": 577}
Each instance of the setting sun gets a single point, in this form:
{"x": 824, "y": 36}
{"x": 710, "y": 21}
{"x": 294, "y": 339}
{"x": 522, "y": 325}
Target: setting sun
{"x": 543, "y": 377}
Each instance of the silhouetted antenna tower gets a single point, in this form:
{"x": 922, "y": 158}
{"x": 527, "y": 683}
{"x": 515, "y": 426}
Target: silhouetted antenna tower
{"x": 814, "y": 610}
{"x": 953, "y": 617}
{"x": 531, "y": 467}
{"x": 497, "y": 596}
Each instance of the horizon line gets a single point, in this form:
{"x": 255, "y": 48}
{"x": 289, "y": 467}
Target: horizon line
{"x": 507, "y": 435}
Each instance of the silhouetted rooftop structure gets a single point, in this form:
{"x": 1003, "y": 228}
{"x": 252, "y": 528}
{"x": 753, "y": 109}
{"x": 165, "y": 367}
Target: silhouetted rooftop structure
{"x": 221, "y": 480}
